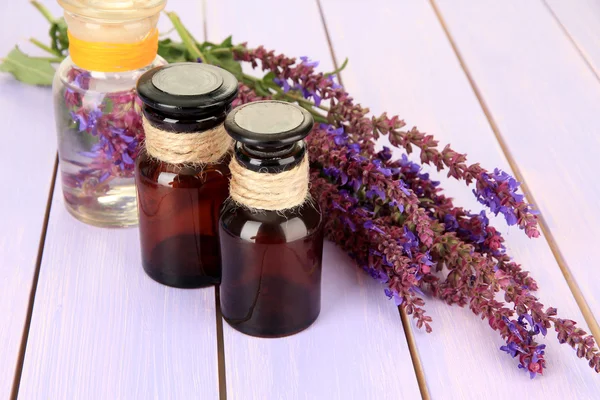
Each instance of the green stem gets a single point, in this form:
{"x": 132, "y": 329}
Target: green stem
{"x": 340, "y": 69}
{"x": 317, "y": 117}
{"x": 45, "y": 12}
{"x": 226, "y": 50}
{"x": 300, "y": 99}
{"x": 44, "y": 47}
{"x": 55, "y": 60}
{"x": 187, "y": 39}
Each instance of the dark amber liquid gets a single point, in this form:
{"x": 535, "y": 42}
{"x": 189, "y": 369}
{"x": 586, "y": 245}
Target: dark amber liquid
{"x": 271, "y": 280}
{"x": 179, "y": 213}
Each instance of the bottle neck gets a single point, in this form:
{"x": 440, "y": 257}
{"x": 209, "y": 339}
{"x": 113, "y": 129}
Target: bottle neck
{"x": 195, "y": 139}
{"x": 261, "y": 190}
{"x": 113, "y": 57}
{"x": 187, "y": 123}
{"x": 111, "y": 44}
{"x": 271, "y": 160}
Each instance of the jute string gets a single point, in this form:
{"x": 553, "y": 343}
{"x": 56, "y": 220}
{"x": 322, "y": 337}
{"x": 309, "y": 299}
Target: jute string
{"x": 265, "y": 191}
{"x": 204, "y": 147}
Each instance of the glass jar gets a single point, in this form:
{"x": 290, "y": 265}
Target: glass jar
{"x": 271, "y": 232}
{"x": 181, "y": 187}
{"x": 98, "y": 115}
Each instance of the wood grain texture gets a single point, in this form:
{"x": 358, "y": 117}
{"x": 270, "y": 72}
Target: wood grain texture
{"x": 545, "y": 101}
{"x": 356, "y": 349}
{"x": 405, "y": 65}
{"x": 28, "y": 151}
{"x": 101, "y": 329}
{"x": 581, "y": 20}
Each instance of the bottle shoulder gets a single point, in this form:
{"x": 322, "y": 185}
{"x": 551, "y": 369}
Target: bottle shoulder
{"x": 152, "y": 171}
{"x": 272, "y": 226}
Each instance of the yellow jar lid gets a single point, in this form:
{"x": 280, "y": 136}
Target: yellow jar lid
{"x": 115, "y": 10}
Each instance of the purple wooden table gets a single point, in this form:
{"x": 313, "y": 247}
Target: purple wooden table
{"x": 515, "y": 84}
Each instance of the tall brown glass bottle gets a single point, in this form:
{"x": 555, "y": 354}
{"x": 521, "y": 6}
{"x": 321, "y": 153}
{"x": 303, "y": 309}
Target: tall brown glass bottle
{"x": 271, "y": 254}
{"x": 180, "y": 194}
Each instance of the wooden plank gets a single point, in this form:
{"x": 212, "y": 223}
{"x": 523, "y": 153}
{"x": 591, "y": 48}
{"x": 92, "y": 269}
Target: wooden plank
{"x": 405, "y": 65}
{"x": 581, "y": 21}
{"x": 546, "y": 101}
{"x": 101, "y": 329}
{"x": 28, "y": 151}
{"x": 357, "y": 348}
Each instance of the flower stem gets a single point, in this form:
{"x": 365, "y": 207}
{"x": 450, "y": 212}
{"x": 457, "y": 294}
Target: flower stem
{"x": 338, "y": 70}
{"x": 299, "y": 99}
{"x": 187, "y": 38}
{"x": 226, "y": 50}
{"x": 54, "y": 60}
{"x": 45, "y": 12}
{"x": 44, "y": 47}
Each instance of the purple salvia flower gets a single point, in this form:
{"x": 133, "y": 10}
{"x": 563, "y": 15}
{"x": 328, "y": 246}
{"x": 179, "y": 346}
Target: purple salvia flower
{"x": 394, "y": 203}
{"x": 391, "y": 294}
{"x": 334, "y": 85}
{"x": 337, "y": 206}
{"x": 349, "y": 224}
{"x": 450, "y": 223}
{"x": 283, "y": 83}
{"x": 403, "y": 187}
{"x": 104, "y": 177}
{"x": 512, "y": 348}
{"x": 307, "y": 62}
{"x": 371, "y": 226}
{"x": 127, "y": 159}
{"x": 512, "y": 327}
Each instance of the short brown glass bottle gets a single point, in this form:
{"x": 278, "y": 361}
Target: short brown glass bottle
{"x": 271, "y": 254}
{"x": 182, "y": 171}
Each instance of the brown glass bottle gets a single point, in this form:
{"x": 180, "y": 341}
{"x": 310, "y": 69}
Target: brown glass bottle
{"x": 271, "y": 279}
{"x": 178, "y": 210}
{"x": 179, "y": 204}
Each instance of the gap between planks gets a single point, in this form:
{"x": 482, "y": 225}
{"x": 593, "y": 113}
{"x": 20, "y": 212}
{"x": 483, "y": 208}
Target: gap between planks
{"x": 222, "y": 372}
{"x": 21, "y": 359}
{"x": 410, "y": 338}
{"x": 560, "y": 259}
{"x": 571, "y": 39}
{"x": 220, "y": 347}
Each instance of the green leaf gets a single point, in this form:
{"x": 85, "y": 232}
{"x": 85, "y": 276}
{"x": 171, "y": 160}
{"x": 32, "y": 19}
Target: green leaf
{"x": 227, "y": 42}
{"x": 58, "y": 34}
{"x": 269, "y": 77}
{"x": 225, "y": 61}
{"x": 27, "y": 69}
{"x": 204, "y": 46}
{"x": 267, "y": 80}
{"x": 173, "y": 51}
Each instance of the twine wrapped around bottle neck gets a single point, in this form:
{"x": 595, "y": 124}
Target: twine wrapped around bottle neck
{"x": 266, "y": 191}
{"x": 205, "y": 147}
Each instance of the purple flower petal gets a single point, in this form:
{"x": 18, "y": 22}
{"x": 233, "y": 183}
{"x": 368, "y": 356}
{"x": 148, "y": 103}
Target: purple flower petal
{"x": 371, "y": 226}
{"x": 104, "y": 177}
{"x": 127, "y": 159}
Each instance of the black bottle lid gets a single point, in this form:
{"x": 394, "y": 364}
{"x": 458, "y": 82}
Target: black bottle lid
{"x": 269, "y": 134}
{"x": 187, "y": 90}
